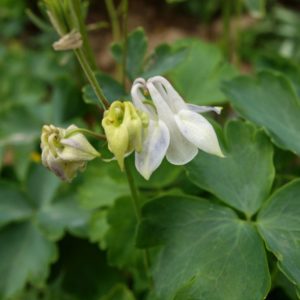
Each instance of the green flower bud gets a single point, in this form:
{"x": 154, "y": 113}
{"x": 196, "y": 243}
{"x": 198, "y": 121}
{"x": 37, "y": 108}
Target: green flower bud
{"x": 65, "y": 151}
{"x": 124, "y": 125}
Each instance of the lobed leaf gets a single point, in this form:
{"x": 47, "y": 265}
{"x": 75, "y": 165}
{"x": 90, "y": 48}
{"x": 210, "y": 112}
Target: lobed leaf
{"x": 279, "y": 225}
{"x": 13, "y": 204}
{"x": 270, "y": 101}
{"x": 199, "y": 76}
{"x": 136, "y": 51}
{"x": 25, "y": 256}
{"x": 207, "y": 251}
{"x": 243, "y": 178}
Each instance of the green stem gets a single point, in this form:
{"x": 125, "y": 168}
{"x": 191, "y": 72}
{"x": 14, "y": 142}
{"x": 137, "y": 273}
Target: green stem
{"x": 125, "y": 40}
{"x": 112, "y": 12}
{"x": 37, "y": 21}
{"x": 239, "y": 7}
{"x": 82, "y": 28}
{"x": 91, "y": 78}
{"x": 226, "y": 15}
{"x": 137, "y": 209}
{"x": 86, "y": 131}
{"x": 134, "y": 192}
{"x": 116, "y": 30}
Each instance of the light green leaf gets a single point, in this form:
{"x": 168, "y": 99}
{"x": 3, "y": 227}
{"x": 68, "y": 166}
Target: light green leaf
{"x": 199, "y": 76}
{"x": 270, "y": 101}
{"x": 13, "y": 204}
{"x": 112, "y": 90}
{"x": 119, "y": 292}
{"x": 243, "y": 178}
{"x": 103, "y": 183}
{"x": 207, "y": 251}
{"x": 279, "y": 225}
{"x": 25, "y": 257}
{"x": 136, "y": 51}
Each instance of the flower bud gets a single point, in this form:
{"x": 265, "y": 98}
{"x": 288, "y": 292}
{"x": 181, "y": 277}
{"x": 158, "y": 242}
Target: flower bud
{"x": 124, "y": 126}
{"x": 65, "y": 151}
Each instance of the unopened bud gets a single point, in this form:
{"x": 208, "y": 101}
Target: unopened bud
{"x": 65, "y": 151}
{"x": 124, "y": 125}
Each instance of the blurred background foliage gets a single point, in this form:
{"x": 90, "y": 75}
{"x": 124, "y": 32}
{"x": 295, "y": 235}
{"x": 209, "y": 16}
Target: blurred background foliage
{"x": 75, "y": 242}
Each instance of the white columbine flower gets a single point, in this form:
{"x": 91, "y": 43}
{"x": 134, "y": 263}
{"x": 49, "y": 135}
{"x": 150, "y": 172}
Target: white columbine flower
{"x": 157, "y": 138}
{"x": 176, "y": 129}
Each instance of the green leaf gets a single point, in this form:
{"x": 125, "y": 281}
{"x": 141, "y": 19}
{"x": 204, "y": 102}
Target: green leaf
{"x": 13, "y": 204}
{"x": 119, "y": 292}
{"x": 279, "y": 225}
{"x": 270, "y": 101}
{"x": 63, "y": 214}
{"x": 120, "y": 236}
{"x": 163, "y": 177}
{"x": 286, "y": 66}
{"x": 282, "y": 282}
{"x": 164, "y": 59}
{"x": 103, "y": 183}
{"x": 120, "y": 240}
{"x": 25, "y": 257}
{"x": 85, "y": 271}
{"x": 22, "y": 159}
{"x": 98, "y": 227}
{"x": 175, "y": 1}
{"x": 136, "y": 51}
{"x": 243, "y": 178}
{"x": 42, "y": 185}
{"x": 207, "y": 251}
{"x": 199, "y": 76}
{"x": 18, "y": 126}
{"x": 256, "y": 7}
{"x": 112, "y": 90}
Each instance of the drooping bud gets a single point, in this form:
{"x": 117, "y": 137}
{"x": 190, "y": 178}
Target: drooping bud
{"x": 70, "y": 41}
{"x": 124, "y": 126}
{"x": 65, "y": 151}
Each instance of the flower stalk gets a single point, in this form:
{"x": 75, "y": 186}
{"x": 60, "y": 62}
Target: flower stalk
{"x": 125, "y": 40}
{"x": 137, "y": 209}
{"x": 90, "y": 75}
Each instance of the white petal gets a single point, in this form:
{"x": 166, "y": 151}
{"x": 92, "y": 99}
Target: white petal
{"x": 198, "y": 131}
{"x": 77, "y": 148}
{"x": 57, "y": 166}
{"x": 180, "y": 150}
{"x": 167, "y": 91}
{"x": 138, "y": 97}
{"x": 154, "y": 149}
{"x": 203, "y": 109}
